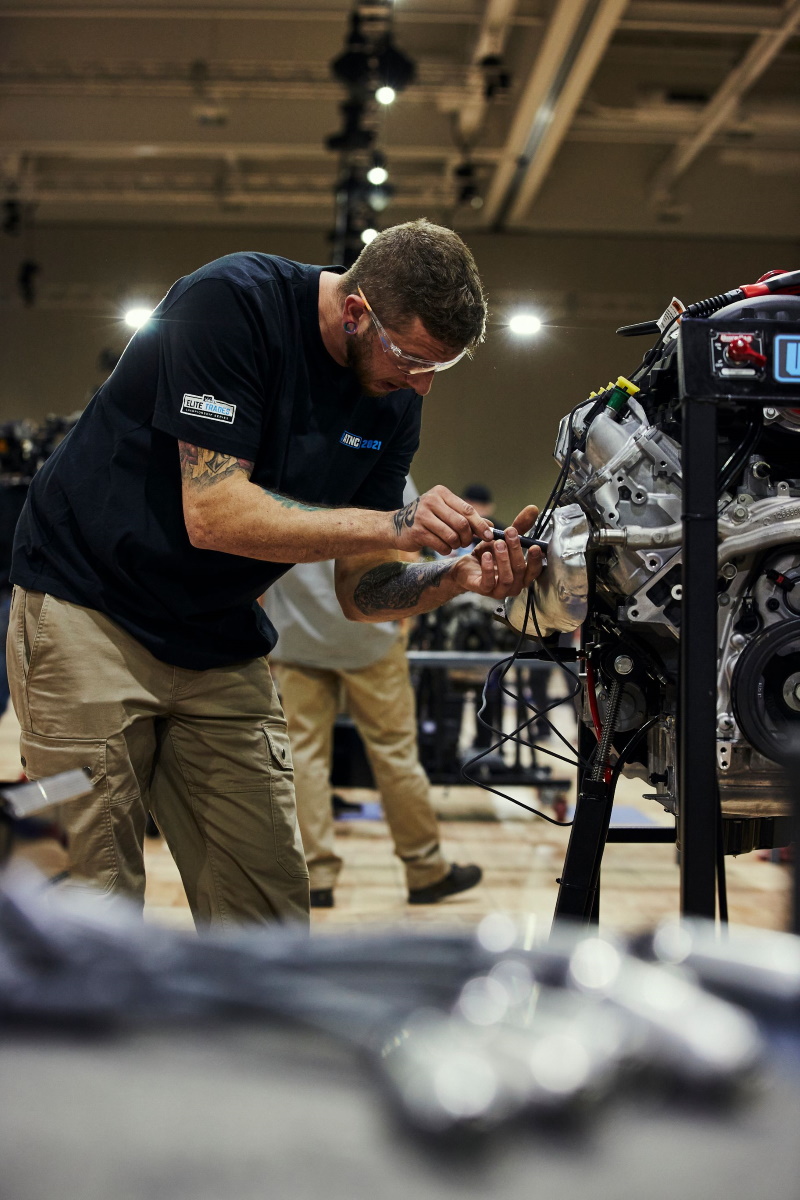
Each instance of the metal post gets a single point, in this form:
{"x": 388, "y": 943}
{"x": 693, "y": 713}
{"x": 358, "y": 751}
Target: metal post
{"x": 697, "y": 715}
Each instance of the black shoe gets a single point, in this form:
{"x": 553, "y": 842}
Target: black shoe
{"x": 321, "y": 897}
{"x": 340, "y": 805}
{"x": 458, "y": 879}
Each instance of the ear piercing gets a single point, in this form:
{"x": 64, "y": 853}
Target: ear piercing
{"x": 350, "y": 327}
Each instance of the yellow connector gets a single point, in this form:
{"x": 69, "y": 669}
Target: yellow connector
{"x": 627, "y": 386}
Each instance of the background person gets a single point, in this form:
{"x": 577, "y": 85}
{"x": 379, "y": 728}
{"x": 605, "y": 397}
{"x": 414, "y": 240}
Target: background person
{"x": 319, "y": 655}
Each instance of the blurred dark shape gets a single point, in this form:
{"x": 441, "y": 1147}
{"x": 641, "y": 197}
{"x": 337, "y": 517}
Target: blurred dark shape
{"x": 26, "y": 281}
{"x": 396, "y": 69}
{"x": 496, "y": 76}
{"x": 12, "y": 217}
{"x": 352, "y": 66}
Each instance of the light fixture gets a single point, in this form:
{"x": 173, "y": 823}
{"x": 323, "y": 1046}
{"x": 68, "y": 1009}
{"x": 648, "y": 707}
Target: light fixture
{"x": 378, "y": 173}
{"x": 525, "y": 324}
{"x": 368, "y": 235}
{"x": 385, "y": 94}
{"x": 137, "y": 316}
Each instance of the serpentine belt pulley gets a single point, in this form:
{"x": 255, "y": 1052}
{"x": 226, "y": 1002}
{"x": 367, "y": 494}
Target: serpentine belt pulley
{"x": 765, "y": 690}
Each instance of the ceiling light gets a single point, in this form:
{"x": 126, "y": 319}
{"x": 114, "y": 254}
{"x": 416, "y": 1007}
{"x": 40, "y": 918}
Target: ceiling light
{"x": 377, "y": 175}
{"x": 525, "y": 324}
{"x": 368, "y": 235}
{"x": 385, "y": 94}
{"x": 136, "y": 317}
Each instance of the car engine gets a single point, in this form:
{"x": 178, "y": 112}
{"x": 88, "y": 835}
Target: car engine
{"x": 614, "y": 567}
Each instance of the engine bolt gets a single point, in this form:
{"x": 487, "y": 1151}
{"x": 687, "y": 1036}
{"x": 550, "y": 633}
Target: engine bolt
{"x": 623, "y": 664}
{"x": 773, "y": 604}
{"x": 739, "y": 513}
{"x": 723, "y": 599}
{"x": 770, "y": 414}
{"x": 728, "y": 571}
{"x": 725, "y": 724}
{"x": 738, "y": 640}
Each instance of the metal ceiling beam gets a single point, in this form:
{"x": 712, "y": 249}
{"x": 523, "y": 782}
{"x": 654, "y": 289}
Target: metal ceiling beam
{"x": 573, "y": 44}
{"x": 269, "y": 151}
{"x": 724, "y": 102}
{"x": 669, "y": 16}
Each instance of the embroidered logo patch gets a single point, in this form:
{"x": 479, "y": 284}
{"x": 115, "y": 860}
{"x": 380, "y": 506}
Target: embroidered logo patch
{"x": 358, "y": 443}
{"x": 208, "y": 407}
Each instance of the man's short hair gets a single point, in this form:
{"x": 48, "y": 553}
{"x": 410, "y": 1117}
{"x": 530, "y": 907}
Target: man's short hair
{"x": 477, "y": 492}
{"x": 423, "y": 270}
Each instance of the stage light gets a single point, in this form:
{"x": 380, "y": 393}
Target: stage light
{"x": 136, "y": 317}
{"x": 385, "y": 94}
{"x": 377, "y": 173}
{"x": 368, "y": 235}
{"x": 525, "y": 324}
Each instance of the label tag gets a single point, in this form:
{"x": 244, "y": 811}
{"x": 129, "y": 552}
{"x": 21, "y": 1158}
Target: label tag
{"x": 208, "y": 407}
{"x": 673, "y": 310}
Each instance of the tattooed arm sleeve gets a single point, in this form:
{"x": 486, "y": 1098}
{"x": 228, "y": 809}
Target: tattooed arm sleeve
{"x": 394, "y": 587}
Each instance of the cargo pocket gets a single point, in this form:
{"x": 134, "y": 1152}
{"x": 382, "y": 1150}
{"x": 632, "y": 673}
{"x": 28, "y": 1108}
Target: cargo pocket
{"x": 87, "y": 821}
{"x": 289, "y": 853}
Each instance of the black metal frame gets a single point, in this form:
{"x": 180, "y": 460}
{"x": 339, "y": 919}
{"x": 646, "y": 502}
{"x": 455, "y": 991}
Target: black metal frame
{"x": 702, "y": 390}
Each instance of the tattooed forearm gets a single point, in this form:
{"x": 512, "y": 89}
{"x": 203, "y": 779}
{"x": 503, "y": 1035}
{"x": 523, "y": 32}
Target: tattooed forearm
{"x": 288, "y": 502}
{"x": 404, "y": 517}
{"x": 395, "y": 586}
{"x": 205, "y": 467}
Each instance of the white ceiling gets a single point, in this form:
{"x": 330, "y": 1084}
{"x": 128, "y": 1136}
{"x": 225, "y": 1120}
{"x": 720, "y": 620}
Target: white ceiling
{"x": 622, "y": 115}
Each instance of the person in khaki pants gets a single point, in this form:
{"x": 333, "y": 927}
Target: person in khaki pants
{"x": 265, "y": 415}
{"x": 319, "y": 656}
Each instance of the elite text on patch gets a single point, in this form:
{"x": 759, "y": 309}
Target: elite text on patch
{"x": 208, "y": 407}
{"x": 358, "y": 443}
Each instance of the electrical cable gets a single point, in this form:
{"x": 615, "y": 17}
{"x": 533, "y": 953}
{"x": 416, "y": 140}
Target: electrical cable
{"x": 505, "y": 665}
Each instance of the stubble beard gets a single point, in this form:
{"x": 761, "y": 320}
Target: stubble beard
{"x": 358, "y": 355}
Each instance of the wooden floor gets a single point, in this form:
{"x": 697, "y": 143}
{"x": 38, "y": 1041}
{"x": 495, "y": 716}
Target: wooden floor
{"x": 521, "y": 857}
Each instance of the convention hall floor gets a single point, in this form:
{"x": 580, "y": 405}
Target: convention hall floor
{"x": 521, "y": 857}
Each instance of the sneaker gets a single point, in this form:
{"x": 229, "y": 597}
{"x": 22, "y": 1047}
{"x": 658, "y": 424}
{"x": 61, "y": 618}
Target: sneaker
{"x": 321, "y": 897}
{"x": 458, "y": 879}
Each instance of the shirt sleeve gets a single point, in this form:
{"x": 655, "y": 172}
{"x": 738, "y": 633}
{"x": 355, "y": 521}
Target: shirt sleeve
{"x": 384, "y": 486}
{"x": 213, "y": 370}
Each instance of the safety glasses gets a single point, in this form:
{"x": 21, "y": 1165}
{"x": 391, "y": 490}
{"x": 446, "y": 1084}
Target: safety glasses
{"x": 409, "y": 364}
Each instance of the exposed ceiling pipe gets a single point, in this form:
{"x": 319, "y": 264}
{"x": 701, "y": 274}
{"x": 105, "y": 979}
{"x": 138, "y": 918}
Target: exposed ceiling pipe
{"x": 495, "y": 27}
{"x": 724, "y": 102}
{"x": 573, "y": 44}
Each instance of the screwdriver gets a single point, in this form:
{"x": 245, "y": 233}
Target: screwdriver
{"x": 499, "y": 535}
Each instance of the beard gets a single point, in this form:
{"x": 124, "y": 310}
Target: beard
{"x": 358, "y": 357}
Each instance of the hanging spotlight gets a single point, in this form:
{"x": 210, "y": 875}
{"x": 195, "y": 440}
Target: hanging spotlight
{"x": 379, "y": 196}
{"x": 352, "y": 67}
{"x": 137, "y": 316}
{"x": 378, "y": 173}
{"x": 525, "y": 324}
{"x": 467, "y": 189}
{"x": 396, "y": 69}
{"x": 385, "y": 95}
{"x": 368, "y": 235}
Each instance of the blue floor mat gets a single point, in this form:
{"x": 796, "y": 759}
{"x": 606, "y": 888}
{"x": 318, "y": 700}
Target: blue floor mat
{"x": 622, "y": 815}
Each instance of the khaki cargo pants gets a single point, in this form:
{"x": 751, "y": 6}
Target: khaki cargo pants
{"x": 381, "y": 702}
{"x": 206, "y": 752}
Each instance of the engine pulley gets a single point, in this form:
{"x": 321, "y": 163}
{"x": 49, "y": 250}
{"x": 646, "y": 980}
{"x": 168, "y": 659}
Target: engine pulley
{"x": 765, "y": 690}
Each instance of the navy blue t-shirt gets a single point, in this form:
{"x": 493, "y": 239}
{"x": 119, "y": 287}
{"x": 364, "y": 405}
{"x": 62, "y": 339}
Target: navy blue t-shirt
{"x": 232, "y": 360}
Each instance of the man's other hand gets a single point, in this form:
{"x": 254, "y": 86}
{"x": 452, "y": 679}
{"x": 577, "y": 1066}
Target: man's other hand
{"x": 500, "y": 568}
{"x": 438, "y": 520}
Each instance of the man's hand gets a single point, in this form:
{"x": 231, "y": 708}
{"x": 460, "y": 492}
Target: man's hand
{"x": 499, "y": 569}
{"x": 438, "y": 520}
